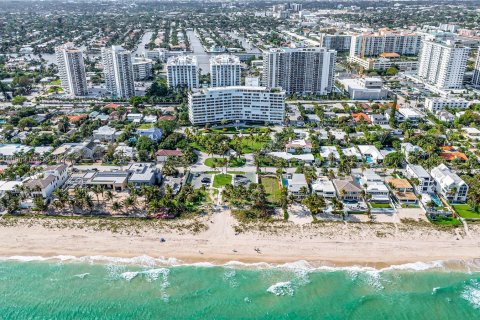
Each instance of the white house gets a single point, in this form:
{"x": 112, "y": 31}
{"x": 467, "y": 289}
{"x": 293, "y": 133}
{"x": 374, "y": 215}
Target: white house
{"x": 379, "y": 119}
{"x": 408, "y": 149}
{"x": 307, "y": 157}
{"x": 324, "y": 187}
{"x": 371, "y": 154}
{"x": 150, "y": 119}
{"x": 449, "y": 184}
{"x": 329, "y": 151}
{"x": 425, "y": 181}
{"x": 135, "y": 117}
{"x": 297, "y": 184}
{"x": 471, "y": 133}
{"x": 434, "y": 104}
{"x": 352, "y": 152}
{"x": 43, "y": 184}
{"x": 375, "y": 186}
{"x": 153, "y": 133}
{"x": 300, "y": 145}
{"x": 405, "y": 114}
{"x": 106, "y": 133}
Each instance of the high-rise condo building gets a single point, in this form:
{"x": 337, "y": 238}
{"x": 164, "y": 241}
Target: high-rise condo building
{"x": 142, "y": 69}
{"x": 443, "y": 64}
{"x": 72, "y": 70}
{"x": 338, "y": 42}
{"x": 182, "y": 71}
{"x": 225, "y": 71}
{"x": 239, "y": 103}
{"x": 118, "y": 70}
{"x": 300, "y": 70}
{"x": 476, "y": 72}
{"x": 385, "y": 41}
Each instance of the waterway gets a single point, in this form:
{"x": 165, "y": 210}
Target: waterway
{"x": 140, "y": 49}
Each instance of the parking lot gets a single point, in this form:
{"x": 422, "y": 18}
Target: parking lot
{"x": 197, "y": 177}
{"x": 244, "y": 179}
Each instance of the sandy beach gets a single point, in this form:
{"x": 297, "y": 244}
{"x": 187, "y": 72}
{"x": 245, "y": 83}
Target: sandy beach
{"x": 219, "y": 239}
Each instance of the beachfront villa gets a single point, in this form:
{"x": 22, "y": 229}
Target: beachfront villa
{"x": 297, "y": 185}
{"x": 347, "y": 190}
{"x": 449, "y": 184}
{"x": 324, "y": 188}
{"x": 402, "y": 190}
{"x": 374, "y": 186}
{"x": 425, "y": 181}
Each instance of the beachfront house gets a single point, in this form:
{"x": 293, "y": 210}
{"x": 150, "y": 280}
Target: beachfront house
{"x": 113, "y": 180}
{"x": 324, "y": 188}
{"x": 297, "y": 185}
{"x": 449, "y": 184}
{"x": 375, "y": 188}
{"x": 402, "y": 190}
{"x": 143, "y": 174}
{"x": 420, "y": 178}
{"x": 51, "y": 178}
{"x": 347, "y": 190}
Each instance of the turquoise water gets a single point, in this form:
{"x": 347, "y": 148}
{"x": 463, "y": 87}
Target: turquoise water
{"x": 73, "y": 290}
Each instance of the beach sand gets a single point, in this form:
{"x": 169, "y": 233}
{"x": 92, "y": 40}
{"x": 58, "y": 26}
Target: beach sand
{"x": 219, "y": 239}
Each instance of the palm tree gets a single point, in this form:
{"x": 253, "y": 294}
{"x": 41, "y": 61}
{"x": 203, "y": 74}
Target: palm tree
{"x": 116, "y": 206}
{"x": 128, "y": 202}
{"x": 109, "y": 195}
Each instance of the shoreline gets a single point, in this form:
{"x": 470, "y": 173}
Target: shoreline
{"x": 465, "y": 266}
{"x": 218, "y": 242}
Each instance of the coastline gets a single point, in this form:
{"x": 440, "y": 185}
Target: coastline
{"x": 326, "y": 245}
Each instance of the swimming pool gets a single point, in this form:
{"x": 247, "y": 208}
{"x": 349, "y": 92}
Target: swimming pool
{"x": 435, "y": 199}
{"x": 369, "y": 159}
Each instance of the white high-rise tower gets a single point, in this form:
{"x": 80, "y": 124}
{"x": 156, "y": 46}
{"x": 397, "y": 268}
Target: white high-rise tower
{"x": 182, "y": 71}
{"x": 225, "y": 71}
{"x": 118, "y": 70}
{"x": 300, "y": 70}
{"x": 443, "y": 64}
{"x": 71, "y": 69}
{"x": 476, "y": 72}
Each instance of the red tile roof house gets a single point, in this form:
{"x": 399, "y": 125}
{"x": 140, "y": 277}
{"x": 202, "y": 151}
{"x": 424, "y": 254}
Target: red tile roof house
{"x": 361, "y": 117}
{"x": 163, "y": 154}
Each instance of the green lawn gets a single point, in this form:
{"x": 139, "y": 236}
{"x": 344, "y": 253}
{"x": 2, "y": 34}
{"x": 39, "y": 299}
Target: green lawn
{"x": 465, "y": 211}
{"x": 250, "y": 144}
{"x": 272, "y": 188}
{"x": 145, "y": 126}
{"x": 380, "y": 205}
{"x": 196, "y": 146}
{"x": 221, "y": 180}
{"x": 220, "y": 162}
{"x": 446, "y": 221}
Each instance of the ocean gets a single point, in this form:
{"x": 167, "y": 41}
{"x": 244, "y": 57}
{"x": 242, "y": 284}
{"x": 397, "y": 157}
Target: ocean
{"x": 146, "y": 288}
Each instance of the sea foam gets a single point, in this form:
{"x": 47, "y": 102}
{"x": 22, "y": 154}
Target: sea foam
{"x": 300, "y": 266}
{"x": 281, "y": 289}
{"x": 471, "y": 293}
